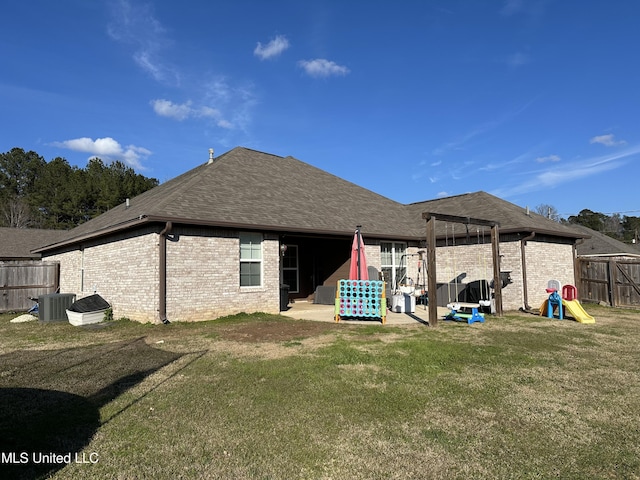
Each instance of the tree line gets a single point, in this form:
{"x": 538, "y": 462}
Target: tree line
{"x": 35, "y": 193}
{"x": 621, "y": 227}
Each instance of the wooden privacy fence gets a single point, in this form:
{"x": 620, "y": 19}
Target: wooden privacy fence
{"x": 21, "y": 280}
{"x": 613, "y": 281}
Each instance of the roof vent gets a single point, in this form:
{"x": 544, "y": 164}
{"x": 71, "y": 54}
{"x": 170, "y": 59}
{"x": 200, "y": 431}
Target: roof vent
{"x": 210, "y": 156}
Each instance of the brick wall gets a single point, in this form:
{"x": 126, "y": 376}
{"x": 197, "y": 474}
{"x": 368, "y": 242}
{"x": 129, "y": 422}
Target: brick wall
{"x": 202, "y": 275}
{"x": 511, "y": 261}
{"x": 69, "y": 270}
{"x": 545, "y": 261}
{"x": 123, "y": 270}
{"x": 203, "y": 272}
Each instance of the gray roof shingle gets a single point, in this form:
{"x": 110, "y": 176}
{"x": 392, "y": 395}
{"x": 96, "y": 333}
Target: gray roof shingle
{"x": 482, "y": 205}
{"x": 247, "y": 189}
{"x": 603, "y": 245}
{"x": 17, "y": 243}
{"x": 244, "y": 188}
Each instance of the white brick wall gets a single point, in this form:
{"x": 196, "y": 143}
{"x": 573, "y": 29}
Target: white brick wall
{"x": 545, "y": 261}
{"x": 203, "y": 272}
{"x": 511, "y": 261}
{"x": 203, "y": 275}
{"x": 123, "y": 270}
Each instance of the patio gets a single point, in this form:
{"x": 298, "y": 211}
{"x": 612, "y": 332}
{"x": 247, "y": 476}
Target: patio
{"x": 325, "y": 313}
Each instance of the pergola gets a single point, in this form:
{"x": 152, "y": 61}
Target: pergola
{"x": 432, "y": 285}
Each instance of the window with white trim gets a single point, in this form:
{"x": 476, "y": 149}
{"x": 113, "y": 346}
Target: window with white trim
{"x": 394, "y": 267}
{"x": 250, "y": 259}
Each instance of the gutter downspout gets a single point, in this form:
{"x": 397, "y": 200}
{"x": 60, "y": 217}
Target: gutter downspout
{"x": 577, "y": 271}
{"x": 523, "y": 255}
{"x": 162, "y": 273}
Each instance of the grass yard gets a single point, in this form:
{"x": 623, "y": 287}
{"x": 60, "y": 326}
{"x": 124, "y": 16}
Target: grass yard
{"x": 267, "y": 397}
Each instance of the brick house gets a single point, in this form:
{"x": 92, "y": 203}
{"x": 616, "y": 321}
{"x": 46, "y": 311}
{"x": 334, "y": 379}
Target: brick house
{"x": 223, "y": 237}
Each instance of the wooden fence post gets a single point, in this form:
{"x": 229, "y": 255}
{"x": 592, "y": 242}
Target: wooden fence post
{"x": 432, "y": 284}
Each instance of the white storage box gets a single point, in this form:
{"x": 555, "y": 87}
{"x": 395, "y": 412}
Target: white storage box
{"x": 86, "y": 318}
{"x": 403, "y": 303}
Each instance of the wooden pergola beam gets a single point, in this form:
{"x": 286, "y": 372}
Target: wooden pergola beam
{"x": 457, "y": 219}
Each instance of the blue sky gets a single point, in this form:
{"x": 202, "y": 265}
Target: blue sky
{"x": 535, "y": 101}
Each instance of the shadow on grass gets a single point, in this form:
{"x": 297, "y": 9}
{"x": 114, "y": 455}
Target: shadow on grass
{"x": 417, "y": 318}
{"x": 50, "y": 401}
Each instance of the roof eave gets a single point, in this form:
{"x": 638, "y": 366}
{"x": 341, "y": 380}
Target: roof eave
{"x": 148, "y": 219}
{"x": 273, "y": 228}
{"x": 142, "y": 219}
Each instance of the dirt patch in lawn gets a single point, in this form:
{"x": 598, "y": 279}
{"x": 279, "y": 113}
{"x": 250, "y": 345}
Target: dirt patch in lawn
{"x": 269, "y": 332}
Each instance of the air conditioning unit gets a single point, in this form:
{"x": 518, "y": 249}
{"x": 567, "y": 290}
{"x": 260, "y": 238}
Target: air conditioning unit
{"x": 52, "y": 307}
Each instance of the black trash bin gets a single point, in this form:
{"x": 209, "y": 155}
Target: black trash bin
{"x": 284, "y": 297}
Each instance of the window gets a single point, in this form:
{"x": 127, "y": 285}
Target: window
{"x": 250, "y": 259}
{"x": 394, "y": 266}
{"x": 290, "y": 268}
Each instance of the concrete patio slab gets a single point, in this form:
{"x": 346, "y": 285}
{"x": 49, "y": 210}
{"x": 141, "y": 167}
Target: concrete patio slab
{"x": 303, "y": 310}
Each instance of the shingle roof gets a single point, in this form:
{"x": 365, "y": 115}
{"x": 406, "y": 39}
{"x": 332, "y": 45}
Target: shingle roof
{"x": 483, "y": 205}
{"x": 17, "y": 243}
{"x": 244, "y": 188}
{"x": 603, "y": 245}
{"x": 247, "y": 189}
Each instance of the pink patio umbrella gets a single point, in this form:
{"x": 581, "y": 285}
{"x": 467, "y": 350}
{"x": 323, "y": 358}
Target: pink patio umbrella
{"x": 358, "y": 267}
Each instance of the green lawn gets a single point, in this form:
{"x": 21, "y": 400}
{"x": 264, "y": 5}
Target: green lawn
{"x": 260, "y": 396}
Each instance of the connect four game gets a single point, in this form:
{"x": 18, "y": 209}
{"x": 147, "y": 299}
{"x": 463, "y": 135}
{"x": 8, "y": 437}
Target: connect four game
{"x": 361, "y": 299}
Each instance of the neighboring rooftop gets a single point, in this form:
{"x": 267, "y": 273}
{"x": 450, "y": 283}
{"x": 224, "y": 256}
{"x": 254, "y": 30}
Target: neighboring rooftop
{"x": 17, "y": 243}
{"x": 603, "y": 245}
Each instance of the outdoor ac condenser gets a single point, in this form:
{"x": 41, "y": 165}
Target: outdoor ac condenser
{"x": 52, "y": 307}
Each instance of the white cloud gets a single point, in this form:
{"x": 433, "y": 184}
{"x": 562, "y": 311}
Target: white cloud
{"x": 321, "y": 67}
{"x": 107, "y": 149}
{"x": 236, "y": 101}
{"x": 166, "y": 108}
{"x": 183, "y": 111}
{"x": 272, "y": 49}
{"x": 135, "y": 25}
{"x": 552, "y": 177}
{"x": 504, "y": 164}
{"x": 223, "y": 103}
{"x": 548, "y": 158}
{"x": 607, "y": 140}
